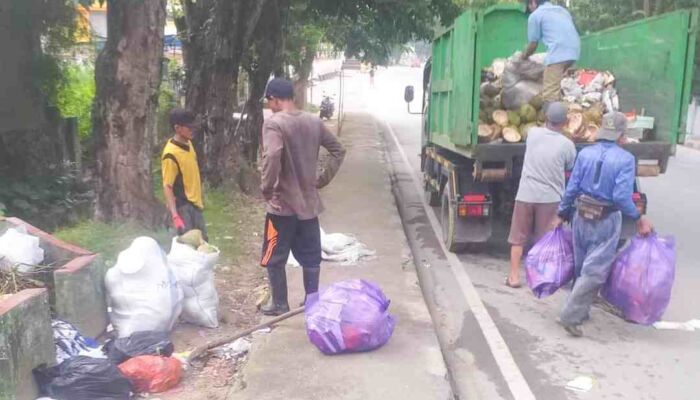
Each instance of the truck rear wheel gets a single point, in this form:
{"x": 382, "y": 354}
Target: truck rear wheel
{"x": 448, "y": 220}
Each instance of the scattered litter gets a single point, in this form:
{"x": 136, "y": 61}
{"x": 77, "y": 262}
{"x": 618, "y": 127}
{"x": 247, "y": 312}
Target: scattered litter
{"x": 262, "y": 331}
{"x": 194, "y": 270}
{"x": 582, "y": 384}
{"x": 143, "y": 291}
{"x": 338, "y": 247}
{"x": 83, "y": 378}
{"x": 19, "y": 248}
{"x": 347, "y": 317}
{"x": 229, "y": 237}
{"x": 70, "y": 343}
{"x": 688, "y": 326}
{"x": 234, "y": 350}
{"x": 152, "y": 374}
{"x": 146, "y": 343}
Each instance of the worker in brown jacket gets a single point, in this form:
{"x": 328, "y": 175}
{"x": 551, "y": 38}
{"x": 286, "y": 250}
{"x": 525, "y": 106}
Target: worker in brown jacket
{"x": 290, "y": 184}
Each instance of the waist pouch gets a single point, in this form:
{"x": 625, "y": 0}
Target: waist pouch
{"x": 591, "y": 209}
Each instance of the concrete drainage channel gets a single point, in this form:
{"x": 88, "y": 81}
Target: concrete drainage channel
{"x": 74, "y": 293}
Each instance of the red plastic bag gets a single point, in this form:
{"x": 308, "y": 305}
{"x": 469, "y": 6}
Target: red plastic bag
{"x": 152, "y": 374}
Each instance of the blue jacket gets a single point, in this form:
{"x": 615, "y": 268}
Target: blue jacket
{"x": 606, "y": 172}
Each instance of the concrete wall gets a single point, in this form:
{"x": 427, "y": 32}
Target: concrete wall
{"x": 79, "y": 295}
{"x": 26, "y": 341}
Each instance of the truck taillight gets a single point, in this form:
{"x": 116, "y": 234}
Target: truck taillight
{"x": 474, "y": 205}
{"x": 640, "y": 200}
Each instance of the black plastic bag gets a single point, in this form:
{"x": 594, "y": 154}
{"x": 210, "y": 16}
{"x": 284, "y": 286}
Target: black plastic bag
{"x": 83, "y": 378}
{"x": 145, "y": 343}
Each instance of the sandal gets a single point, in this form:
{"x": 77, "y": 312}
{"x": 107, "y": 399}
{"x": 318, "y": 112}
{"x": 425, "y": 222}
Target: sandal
{"x": 512, "y": 286}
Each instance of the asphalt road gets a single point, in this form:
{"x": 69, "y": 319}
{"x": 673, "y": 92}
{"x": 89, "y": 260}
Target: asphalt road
{"x": 625, "y": 361}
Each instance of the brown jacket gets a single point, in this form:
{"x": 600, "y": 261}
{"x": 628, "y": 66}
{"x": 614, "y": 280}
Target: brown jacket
{"x": 290, "y": 181}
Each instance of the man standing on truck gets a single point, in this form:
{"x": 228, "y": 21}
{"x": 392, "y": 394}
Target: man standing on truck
{"x": 554, "y": 26}
{"x": 548, "y": 155}
{"x": 598, "y": 194}
{"x": 290, "y": 183}
{"x": 182, "y": 185}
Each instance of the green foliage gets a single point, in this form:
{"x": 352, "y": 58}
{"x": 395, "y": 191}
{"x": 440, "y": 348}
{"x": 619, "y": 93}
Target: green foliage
{"x": 75, "y": 96}
{"x": 369, "y": 29}
{"x": 46, "y": 201}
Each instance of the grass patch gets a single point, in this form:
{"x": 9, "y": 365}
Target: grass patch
{"x": 233, "y": 223}
{"x": 109, "y": 239}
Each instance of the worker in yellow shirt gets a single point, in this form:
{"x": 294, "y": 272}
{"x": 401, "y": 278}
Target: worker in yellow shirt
{"x": 182, "y": 184}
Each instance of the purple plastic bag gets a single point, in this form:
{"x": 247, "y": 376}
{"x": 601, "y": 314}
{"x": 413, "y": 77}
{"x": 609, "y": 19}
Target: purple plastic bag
{"x": 348, "y": 317}
{"x": 642, "y": 278}
{"x": 550, "y": 263}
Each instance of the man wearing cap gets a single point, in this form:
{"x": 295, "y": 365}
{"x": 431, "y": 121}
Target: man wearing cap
{"x": 554, "y": 26}
{"x": 182, "y": 183}
{"x": 548, "y": 155}
{"x": 599, "y": 193}
{"x": 290, "y": 184}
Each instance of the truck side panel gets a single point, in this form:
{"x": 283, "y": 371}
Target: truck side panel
{"x": 652, "y": 60}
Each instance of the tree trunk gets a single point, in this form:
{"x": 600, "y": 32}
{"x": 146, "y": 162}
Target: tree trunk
{"x": 128, "y": 74}
{"x": 303, "y": 72}
{"x": 217, "y": 35}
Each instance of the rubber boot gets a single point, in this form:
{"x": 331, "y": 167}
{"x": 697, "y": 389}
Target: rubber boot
{"x": 311, "y": 278}
{"x": 278, "y": 304}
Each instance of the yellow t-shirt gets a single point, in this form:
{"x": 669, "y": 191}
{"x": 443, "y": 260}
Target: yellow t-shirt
{"x": 180, "y": 170}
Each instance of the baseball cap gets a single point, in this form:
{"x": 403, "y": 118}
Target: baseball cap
{"x": 182, "y": 117}
{"x": 556, "y": 113}
{"x": 613, "y": 126}
{"x": 280, "y": 89}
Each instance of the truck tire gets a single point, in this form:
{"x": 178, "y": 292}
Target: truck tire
{"x": 448, "y": 220}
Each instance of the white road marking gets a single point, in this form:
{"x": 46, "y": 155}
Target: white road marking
{"x": 504, "y": 359}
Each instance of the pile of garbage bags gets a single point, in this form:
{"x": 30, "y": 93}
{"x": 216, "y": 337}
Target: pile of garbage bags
{"x": 84, "y": 370}
{"x": 348, "y": 317}
{"x": 149, "y": 291}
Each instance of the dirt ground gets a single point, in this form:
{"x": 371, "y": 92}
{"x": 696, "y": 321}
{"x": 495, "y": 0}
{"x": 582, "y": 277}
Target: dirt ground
{"x": 211, "y": 378}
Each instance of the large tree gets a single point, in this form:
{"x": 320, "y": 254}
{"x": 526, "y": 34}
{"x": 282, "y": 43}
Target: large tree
{"x": 217, "y": 36}
{"x": 128, "y": 75}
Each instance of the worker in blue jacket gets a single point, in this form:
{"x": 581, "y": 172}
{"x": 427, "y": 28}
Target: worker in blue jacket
{"x": 598, "y": 194}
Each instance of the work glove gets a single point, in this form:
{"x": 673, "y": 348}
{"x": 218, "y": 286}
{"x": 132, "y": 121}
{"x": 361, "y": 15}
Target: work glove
{"x": 179, "y": 224}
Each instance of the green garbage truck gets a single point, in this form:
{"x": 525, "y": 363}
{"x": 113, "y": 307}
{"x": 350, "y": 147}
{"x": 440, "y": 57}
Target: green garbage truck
{"x": 474, "y": 184}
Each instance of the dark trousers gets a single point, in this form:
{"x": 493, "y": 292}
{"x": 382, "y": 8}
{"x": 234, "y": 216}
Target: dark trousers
{"x": 194, "y": 218}
{"x": 284, "y": 234}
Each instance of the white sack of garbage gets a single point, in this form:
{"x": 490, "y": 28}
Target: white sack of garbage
{"x": 339, "y": 247}
{"x": 142, "y": 289}
{"x": 194, "y": 270}
{"x": 20, "y": 249}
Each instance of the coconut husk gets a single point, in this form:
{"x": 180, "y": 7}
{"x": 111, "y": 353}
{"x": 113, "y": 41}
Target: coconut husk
{"x": 485, "y": 131}
{"x": 527, "y": 113}
{"x": 575, "y": 123}
{"x": 500, "y": 117}
{"x": 511, "y": 134}
{"x": 514, "y": 118}
{"x": 497, "y": 132}
{"x": 537, "y": 102}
